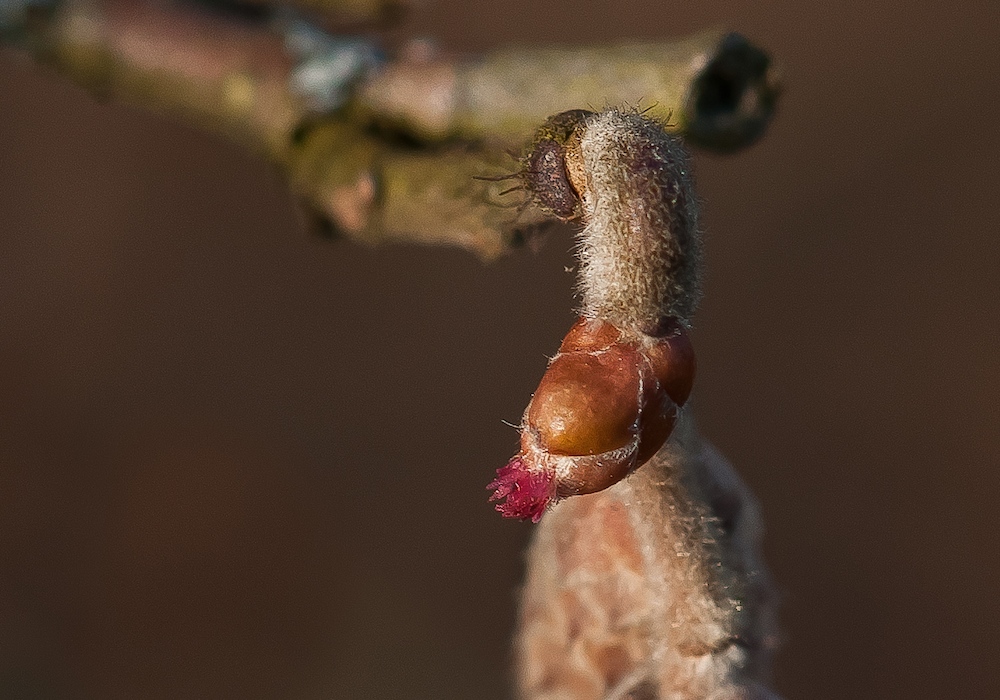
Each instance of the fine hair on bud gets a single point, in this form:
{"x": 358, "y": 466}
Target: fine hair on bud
{"x": 640, "y": 249}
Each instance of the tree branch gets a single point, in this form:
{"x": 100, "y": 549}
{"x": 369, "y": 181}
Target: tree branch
{"x": 715, "y": 88}
{"x": 330, "y": 111}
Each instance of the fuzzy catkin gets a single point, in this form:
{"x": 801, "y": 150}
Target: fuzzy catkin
{"x": 640, "y": 250}
{"x": 651, "y": 589}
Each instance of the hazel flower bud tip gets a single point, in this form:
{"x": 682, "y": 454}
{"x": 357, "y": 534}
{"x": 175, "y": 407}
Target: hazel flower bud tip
{"x": 523, "y": 493}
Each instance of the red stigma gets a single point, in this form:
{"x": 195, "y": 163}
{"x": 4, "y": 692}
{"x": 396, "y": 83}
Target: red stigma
{"x": 527, "y": 492}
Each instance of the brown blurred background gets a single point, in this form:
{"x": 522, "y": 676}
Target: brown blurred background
{"x": 237, "y": 461}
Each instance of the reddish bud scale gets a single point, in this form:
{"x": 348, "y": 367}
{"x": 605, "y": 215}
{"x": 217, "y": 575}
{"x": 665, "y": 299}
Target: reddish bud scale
{"x": 607, "y": 402}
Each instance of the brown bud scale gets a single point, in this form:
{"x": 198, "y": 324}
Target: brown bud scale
{"x": 551, "y": 167}
{"x": 606, "y": 404}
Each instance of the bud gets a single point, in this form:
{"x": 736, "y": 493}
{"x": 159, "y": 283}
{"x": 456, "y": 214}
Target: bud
{"x": 610, "y": 397}
{"x": 551, "y": 169}
{"x": 606, "y": 404}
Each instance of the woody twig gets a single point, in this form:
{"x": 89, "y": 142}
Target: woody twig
{"x": 330, "y": 110}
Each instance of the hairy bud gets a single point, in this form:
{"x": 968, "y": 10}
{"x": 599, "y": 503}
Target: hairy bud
{"x": 610, "y": 397}
{"x": 606, "y": 404}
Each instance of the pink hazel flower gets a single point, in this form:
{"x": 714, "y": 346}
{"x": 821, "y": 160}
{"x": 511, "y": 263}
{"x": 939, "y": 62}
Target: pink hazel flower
{"x": 523, "y": 493}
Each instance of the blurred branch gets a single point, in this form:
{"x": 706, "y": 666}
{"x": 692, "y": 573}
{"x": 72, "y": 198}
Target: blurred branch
{"x": 386, "y": 149}
{"x": 715, "y": 87}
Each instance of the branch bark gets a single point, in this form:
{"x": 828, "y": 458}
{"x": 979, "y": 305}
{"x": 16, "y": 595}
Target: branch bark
{"x": 715, "y": 88}
{"x": 241, "y": 78}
